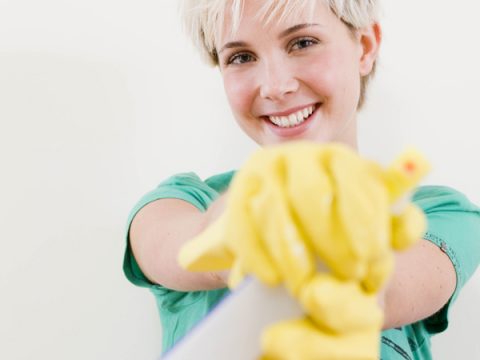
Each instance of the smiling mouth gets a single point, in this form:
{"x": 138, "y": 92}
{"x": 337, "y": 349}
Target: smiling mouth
{"x": 294, "y": 119}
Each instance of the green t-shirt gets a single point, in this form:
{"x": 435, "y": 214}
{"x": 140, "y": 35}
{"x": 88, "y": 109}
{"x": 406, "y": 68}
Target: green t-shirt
{"x": 453, "y": 225}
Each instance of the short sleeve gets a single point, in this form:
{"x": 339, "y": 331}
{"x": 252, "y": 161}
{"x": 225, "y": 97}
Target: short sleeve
{"x": 454, "y": 226}
{"x": 185, "y": 186}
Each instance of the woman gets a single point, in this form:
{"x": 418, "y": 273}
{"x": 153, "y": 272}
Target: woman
{"x": 296, "y": 69}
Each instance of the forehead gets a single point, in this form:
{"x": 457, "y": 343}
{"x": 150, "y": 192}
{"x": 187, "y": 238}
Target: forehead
{"x": 239, "y": 15}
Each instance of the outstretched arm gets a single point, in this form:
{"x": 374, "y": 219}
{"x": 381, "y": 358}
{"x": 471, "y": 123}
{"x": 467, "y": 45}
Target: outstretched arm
{"x": 158, "y": 232}
{"x": 423, "y": 281}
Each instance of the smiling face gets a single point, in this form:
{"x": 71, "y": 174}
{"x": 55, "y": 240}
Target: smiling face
{"x": 298, "y": 78}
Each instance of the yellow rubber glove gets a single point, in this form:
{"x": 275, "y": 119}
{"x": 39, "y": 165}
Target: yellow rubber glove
{"x": 297, "y": 203}
{"x": 301, "y": 340}
{"x": 338, "y": 306}
{"x": 344, "y": 322}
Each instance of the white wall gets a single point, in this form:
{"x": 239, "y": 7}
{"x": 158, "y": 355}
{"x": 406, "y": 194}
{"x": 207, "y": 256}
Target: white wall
{"x": 101, "y": 99}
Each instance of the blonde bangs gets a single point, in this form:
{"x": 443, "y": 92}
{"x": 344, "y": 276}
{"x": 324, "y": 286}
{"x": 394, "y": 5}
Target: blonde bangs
{"x": 203, "y": 20}
{"x": 283, "y": 10}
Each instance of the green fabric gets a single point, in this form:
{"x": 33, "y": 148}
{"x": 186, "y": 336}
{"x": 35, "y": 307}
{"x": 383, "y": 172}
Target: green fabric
{"x": 453, "y": 225}
{"x": 179, "y": 311}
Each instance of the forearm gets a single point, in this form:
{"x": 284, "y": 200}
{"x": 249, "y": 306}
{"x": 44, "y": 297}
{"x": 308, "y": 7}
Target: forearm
{"x": 214, "y": 211}
{"x": 215, "y": 279}
{"x": 160, "y": 230}
{"x": 422, "y": 283}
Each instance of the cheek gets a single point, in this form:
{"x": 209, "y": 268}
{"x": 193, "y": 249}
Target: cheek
{"x": 334, "y": 76}
{"x": 321, "y": 76}
{"x": 239, "y": 92}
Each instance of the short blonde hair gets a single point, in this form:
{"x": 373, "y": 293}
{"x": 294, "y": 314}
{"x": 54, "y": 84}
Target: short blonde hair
{"x": 203, "y": 20}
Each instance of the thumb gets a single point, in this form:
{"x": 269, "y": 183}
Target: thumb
{"x": 207, "y": 251}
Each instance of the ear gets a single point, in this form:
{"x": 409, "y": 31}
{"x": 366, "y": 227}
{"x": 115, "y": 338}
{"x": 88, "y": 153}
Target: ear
{"x": 370, "y": 39}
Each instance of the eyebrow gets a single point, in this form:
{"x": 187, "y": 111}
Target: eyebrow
{"x": 295, "y": 28}
{"x": 233, "y": 44}
{"x": 290, "y": 30}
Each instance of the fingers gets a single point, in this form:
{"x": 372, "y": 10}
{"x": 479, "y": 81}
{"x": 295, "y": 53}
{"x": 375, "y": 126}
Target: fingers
{"x": 281, "y": 235}
{"x": 405, "y": 172}
{"x": 313, "y": 197}
{"x": 309, "y": 201}
{"x": 302, "y": 340}
{"x": 242, "y": 233}
{"x": 408, "y": 227}
{"x": 208, "y": 251}
{"x": 309, "y": 192}
{"x": 359, "y": 214}
{"x": 379, "y": 270}
{"x": 236, "y": 275}
{"x": 340, "y": 307}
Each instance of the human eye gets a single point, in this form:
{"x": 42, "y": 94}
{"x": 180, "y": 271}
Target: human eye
{"x": 302, "y": 43}
{"x": 239, "y": 58}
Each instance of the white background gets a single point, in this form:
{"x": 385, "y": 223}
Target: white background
{"x": 102, "y": 99}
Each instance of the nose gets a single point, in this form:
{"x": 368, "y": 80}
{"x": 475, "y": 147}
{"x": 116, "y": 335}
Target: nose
{"x": 277, "y": 81}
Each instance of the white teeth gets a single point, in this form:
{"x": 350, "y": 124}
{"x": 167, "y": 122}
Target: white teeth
{"x": 293, "y": 119}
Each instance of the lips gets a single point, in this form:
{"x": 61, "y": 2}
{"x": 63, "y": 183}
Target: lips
{"x": 292, "y": 127}
{"x": 294, "y": 118}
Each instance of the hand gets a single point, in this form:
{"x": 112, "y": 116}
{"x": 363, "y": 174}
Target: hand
{"x": 296, "y": 206}
{"x": 302, "y": 203}
{"x": 293, "y": 205}
{"x": 302, "y": 339}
